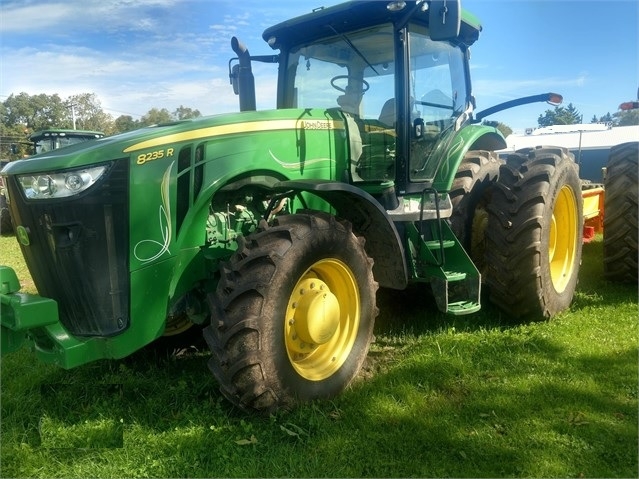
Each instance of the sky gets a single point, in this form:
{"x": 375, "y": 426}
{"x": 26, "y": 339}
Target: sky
{"x": 135, "y": 55}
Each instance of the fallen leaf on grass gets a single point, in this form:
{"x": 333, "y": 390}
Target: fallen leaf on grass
{"x": 246, "y": 442}
{"x": 293, "y": 430}
{"x": 577, "y": 419}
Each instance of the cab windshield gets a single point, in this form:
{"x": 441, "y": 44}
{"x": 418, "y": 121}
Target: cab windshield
{"x": 358, "y": 73}
{"x": 439, "y": 95}
{"x": 53, "y": 141}
{"x": 354, "y": 71}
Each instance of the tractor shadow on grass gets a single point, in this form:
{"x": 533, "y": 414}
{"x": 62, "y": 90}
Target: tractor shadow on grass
{"x": 593, "y": 290}
{"x": 413, "y": 311}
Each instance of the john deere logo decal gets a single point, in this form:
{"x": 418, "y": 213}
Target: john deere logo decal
{"x": 22, "y": 235}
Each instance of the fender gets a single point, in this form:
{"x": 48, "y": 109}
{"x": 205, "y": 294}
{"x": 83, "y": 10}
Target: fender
{"x": 383, "y": 242}
{"x": 471, "y": 137}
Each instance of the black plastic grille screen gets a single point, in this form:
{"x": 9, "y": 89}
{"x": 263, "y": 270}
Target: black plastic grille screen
{"x": 78, "y": 252}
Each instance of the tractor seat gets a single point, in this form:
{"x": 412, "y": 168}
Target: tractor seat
{"x": 387, "y": 115}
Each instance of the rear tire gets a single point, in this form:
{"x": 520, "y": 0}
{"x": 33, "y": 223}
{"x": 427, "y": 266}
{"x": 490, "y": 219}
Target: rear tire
{"x": 295, "y": 309}
{"x": 470, "y": 195}
{"x": 620, "y": 214}
{"x": 535, "y": 233}
{"x": 6, "y": 226}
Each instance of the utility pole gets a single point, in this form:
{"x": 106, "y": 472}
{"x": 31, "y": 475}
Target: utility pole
{"x": 72, "y": 106}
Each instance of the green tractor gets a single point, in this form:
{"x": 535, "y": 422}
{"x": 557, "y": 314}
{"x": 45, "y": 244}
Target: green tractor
{"x": 39, "y": 142}
{"x": 270, "y": 232}
{"x": 52, "y": 139}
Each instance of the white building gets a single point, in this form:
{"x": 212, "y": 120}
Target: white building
{"x": 590, "y": 143}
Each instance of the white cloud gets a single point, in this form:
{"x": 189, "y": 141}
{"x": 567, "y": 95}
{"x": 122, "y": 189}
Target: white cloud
{"x": 207, "y": 96}
{"x": 79, "y": 15}
{"x": 129, "y": 84}
{"x": 31, "y": 17}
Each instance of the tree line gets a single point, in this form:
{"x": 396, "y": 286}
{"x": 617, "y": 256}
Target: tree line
{"x": 569, "y": 115}
{"x": 24, "y": 114}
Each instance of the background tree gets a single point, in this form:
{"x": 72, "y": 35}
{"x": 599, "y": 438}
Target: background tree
{"x": 13, "y": 142}
{"x": 184, "y": 113}
{"x": 124, "y": 123}
{"x": 22, "y": 114}
{"x": 626, "y": 118}
{"x": 568, "y": 115}
{"x": 35, "y": 112}
{"x": 89, "y": 114}
{"x": 503, "y": 128}
{"x": 619, "y": 118}
{"x": 607, "y": 118}
{"x": 155, "y": 116}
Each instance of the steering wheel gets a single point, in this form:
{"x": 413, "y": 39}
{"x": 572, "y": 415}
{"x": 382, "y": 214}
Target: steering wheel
{"x": 348, "y": 77}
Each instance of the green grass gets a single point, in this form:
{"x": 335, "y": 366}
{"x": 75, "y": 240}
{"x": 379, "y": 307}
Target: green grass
{"x": 475, "y": 396}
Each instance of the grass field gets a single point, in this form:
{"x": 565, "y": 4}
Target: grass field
{"x": 475, "y": 396}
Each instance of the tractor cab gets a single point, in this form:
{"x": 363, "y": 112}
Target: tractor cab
{"x": 47, "y": 140}
{"x": 403, "y": 94}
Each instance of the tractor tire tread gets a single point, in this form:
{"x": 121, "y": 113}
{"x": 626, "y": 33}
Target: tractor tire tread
{"x": 620, "y": 214}
{"x": 516, "y": 279}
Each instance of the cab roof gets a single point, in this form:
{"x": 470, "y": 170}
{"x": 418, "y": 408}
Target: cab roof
{"x": 353, "y": 15}
{"x": 64, "y": 132}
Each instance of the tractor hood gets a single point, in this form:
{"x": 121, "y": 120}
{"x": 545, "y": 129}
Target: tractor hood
{"x": 145, "y": 139}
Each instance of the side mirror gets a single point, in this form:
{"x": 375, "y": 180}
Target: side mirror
{"x": 418, "y": 128}
{"x": 234, "y": 76}
{"x": 444, "y": 19}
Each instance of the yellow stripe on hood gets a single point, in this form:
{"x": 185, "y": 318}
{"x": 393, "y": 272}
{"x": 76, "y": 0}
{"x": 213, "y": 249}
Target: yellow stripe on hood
{"x": 250, "y": 127}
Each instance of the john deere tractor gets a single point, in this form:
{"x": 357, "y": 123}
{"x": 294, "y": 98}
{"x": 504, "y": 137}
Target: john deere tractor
{"x": 271, "y": 231}
{"x": 41, "y": 141}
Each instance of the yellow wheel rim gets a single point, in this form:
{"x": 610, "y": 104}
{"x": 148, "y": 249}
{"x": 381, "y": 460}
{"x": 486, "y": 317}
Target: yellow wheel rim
{"x": 322, "y": 319}
{"x": 562, "y": 245}
{"x": 177, "y": 325}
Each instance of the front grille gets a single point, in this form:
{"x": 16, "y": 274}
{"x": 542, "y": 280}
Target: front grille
{"x": 78, "y": 252}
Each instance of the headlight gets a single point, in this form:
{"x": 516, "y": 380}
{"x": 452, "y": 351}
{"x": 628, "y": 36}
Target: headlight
{"x": 60, "y": 185}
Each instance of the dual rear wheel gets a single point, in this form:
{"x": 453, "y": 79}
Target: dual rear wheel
{"x": 521, "y": 221}
{"x": 534, "y": 233}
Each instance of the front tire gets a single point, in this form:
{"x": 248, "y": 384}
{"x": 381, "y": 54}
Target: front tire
{"x": 620, "y": 217}
{"x": 535, "y": 233}
{"x": 295, "y": 309}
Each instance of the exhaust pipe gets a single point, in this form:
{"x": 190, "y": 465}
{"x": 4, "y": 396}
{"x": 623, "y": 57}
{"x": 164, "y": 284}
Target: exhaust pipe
{"x": 242, "y": 76}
